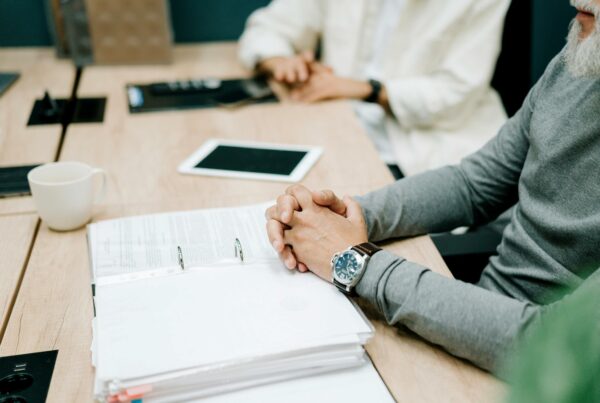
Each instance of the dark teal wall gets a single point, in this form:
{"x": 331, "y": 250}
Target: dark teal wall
{"x": 217, "y": 20}
{"x": 549, "y": 29}
{"x": 23, "y": 23}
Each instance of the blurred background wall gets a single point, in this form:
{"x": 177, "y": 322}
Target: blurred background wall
{"x": 24, "y": 23}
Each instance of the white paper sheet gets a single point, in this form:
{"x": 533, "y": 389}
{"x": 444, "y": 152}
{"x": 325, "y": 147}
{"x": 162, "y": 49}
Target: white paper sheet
{"x": 355, "y": 385}
{"x": 208, "y": 384}
{"x": 149, "y": 242}
{"x": 215, "y": 315}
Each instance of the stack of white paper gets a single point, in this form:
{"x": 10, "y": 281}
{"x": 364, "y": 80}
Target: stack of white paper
{"x": 354, "y": 385}
{"x": 219, "y": 324}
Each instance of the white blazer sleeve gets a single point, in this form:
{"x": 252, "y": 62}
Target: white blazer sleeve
{"x": 443, "y": 97}
{"x": 283, "y": 28}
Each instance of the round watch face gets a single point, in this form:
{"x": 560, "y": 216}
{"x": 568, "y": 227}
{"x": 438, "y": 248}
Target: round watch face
{"x": 346, "y": 267}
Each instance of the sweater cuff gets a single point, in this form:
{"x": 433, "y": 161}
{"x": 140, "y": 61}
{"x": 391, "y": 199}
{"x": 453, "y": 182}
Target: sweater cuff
{"x": 364, "y": 205}
{"x": 389, "y": 278}
{"x": 380, "y": 265}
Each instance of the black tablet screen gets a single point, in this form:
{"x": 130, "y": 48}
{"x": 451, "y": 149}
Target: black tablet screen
{"x": 257, "y": 160}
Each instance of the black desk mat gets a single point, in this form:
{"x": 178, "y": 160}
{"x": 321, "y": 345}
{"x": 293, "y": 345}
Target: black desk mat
{"x": 82, "y": 110}
{"x": 190, "y": 94}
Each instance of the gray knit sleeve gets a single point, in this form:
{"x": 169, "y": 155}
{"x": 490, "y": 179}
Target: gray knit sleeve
{"x": 476, "y": 191}
{"x": 468, "y": 321}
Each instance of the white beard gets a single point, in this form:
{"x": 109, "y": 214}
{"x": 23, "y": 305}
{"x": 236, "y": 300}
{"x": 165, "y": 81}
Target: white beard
{"x": 583, "y": 55}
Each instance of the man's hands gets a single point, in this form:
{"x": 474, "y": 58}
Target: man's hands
{"x": 308, "y": 228}
{"x": 311, "y": 81}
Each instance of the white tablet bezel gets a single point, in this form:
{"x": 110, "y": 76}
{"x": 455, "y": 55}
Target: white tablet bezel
{"x": 189, "y": 165}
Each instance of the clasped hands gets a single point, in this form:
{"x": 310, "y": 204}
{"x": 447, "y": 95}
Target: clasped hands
{"x": 311, "y": 81}
{"x": 307, "y": 228}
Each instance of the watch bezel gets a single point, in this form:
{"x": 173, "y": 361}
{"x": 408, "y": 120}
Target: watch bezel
{"x": 362, "y": 262}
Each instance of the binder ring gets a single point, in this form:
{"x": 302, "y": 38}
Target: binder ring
{"x": 180, "y": 258}
{"x": 237, "y": 246}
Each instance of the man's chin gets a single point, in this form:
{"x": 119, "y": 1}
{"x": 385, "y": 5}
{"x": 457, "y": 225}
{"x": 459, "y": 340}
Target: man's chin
{"x": 583, "y": 53}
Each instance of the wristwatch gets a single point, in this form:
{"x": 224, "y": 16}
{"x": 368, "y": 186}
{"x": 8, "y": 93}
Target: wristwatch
{"x": 375, "y": 90}
{"x": 348, "y": 266}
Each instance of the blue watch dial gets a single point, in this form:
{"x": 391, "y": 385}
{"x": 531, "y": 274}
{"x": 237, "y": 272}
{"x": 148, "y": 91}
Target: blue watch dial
{"x": 346, "y": 266}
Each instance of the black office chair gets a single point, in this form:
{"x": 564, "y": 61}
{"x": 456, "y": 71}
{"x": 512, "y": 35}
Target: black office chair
{"x": 512, "y": 78}
{"x": 467, "y": 254}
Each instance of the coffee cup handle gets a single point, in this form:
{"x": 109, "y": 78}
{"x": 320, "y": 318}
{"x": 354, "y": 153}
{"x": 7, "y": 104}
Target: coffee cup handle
{"x": 99, "y": 196}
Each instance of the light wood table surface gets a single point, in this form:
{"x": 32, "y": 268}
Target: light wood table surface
{"x": 16, "y": 237}
{"x": 21, "y": 144}
{"x": 141, "y": 152}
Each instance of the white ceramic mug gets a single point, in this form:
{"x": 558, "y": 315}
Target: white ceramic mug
{"x": 63, "y": 193}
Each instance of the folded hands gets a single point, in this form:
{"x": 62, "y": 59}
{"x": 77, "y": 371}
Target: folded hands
{"x": 307, "y": 228}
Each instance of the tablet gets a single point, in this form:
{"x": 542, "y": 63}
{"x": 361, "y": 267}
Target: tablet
{"x": 249, "y": 160}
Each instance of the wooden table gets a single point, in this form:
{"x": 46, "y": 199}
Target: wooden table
{"x": 141, "y": 153}
{"x": 21, "y": 144}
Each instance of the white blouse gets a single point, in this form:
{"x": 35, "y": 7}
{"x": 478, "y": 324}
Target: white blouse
{"x": 437, "y": 64}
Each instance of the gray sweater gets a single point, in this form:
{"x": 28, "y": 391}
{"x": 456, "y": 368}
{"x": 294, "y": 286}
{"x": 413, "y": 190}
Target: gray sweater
{"x": 547, "y": 160}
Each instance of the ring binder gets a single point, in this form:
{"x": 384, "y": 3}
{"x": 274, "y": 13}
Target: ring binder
{"x": 158, "y": 307}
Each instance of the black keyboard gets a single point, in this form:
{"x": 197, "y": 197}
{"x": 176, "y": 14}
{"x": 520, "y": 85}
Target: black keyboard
{"x": 185, "y": 87}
